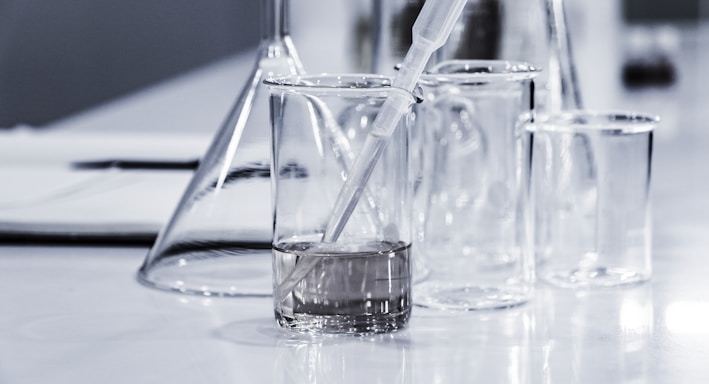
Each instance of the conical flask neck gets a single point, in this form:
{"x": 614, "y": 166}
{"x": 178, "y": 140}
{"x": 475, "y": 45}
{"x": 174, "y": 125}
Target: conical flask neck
{"x": 276, "y": 47}
{"x": 274, "y": 20}
{"x": 278, "y": 51}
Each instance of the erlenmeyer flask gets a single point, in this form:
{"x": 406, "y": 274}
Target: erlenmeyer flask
{"x": 218, "y": 241}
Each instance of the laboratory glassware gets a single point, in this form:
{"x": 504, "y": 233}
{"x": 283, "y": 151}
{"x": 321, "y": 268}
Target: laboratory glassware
{"x": 218, "y": 241}
{"x": 472, "y": 209}
{"x": 430, "y": 30}
{"x": 361, "y": 282}
{"x": 591, "y": 185}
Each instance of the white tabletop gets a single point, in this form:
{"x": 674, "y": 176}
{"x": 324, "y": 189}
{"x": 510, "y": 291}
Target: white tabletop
{"x": 75, "y": 314}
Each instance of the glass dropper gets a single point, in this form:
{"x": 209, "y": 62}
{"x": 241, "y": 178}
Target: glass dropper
{"x": 431, "y": 29}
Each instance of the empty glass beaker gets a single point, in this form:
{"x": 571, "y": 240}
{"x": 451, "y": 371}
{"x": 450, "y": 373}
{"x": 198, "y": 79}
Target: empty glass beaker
{"x": 360, "y": 282}
{"x": 218, "y": 241}
{"x": 591, "y": 174}
{"x": 472, "y": 207}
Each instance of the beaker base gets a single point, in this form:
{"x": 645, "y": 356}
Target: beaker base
{"x": 467, "y": 297}
{"x": 598, "y": 277}
{"x": 344, "y": 324}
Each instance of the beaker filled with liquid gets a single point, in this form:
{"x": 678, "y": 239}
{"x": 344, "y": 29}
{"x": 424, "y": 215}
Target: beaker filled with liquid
{"x": 359, "y": 282}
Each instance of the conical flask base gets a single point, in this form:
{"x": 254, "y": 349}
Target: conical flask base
{"x": 218, "y": 241}
{"x": 212, "y": 270}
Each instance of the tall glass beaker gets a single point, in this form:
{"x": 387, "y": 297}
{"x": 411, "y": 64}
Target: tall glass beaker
{"x": 473, "y": 227}
{"x": 361, "y": 281}
{"x": 218, "y": 241}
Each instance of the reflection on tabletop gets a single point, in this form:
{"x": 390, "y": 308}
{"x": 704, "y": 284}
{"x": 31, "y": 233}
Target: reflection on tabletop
{"x": 648, "y": 333}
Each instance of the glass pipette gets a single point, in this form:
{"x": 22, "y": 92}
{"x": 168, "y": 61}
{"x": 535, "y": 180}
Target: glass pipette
{"x": 430, "y": 30}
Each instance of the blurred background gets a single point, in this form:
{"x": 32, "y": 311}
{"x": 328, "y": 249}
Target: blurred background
{"x": 60, "y": 57}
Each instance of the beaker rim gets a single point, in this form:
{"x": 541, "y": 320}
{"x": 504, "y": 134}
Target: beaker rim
{"x": 480, "y": 71}
{"x": 331, "y": 80}
{"x": 338, "y": 82}
{"x": 624, "y": 122}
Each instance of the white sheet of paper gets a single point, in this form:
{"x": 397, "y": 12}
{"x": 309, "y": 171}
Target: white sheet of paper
{"x": 42, "y": 193}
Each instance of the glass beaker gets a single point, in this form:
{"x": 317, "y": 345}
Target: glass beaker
{"x": 361, "y": 282}
{"x": 473, "y": 216}
{"x": 591, "y": 176}
{"x": 218, "y": 241}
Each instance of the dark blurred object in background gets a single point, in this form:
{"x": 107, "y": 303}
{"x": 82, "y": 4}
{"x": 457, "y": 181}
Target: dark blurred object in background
{"x": 650, "y": 54}
{"x": 61, "y": 56}
{"x": 650, "y": 11}
{"x": 652, "y": 41}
